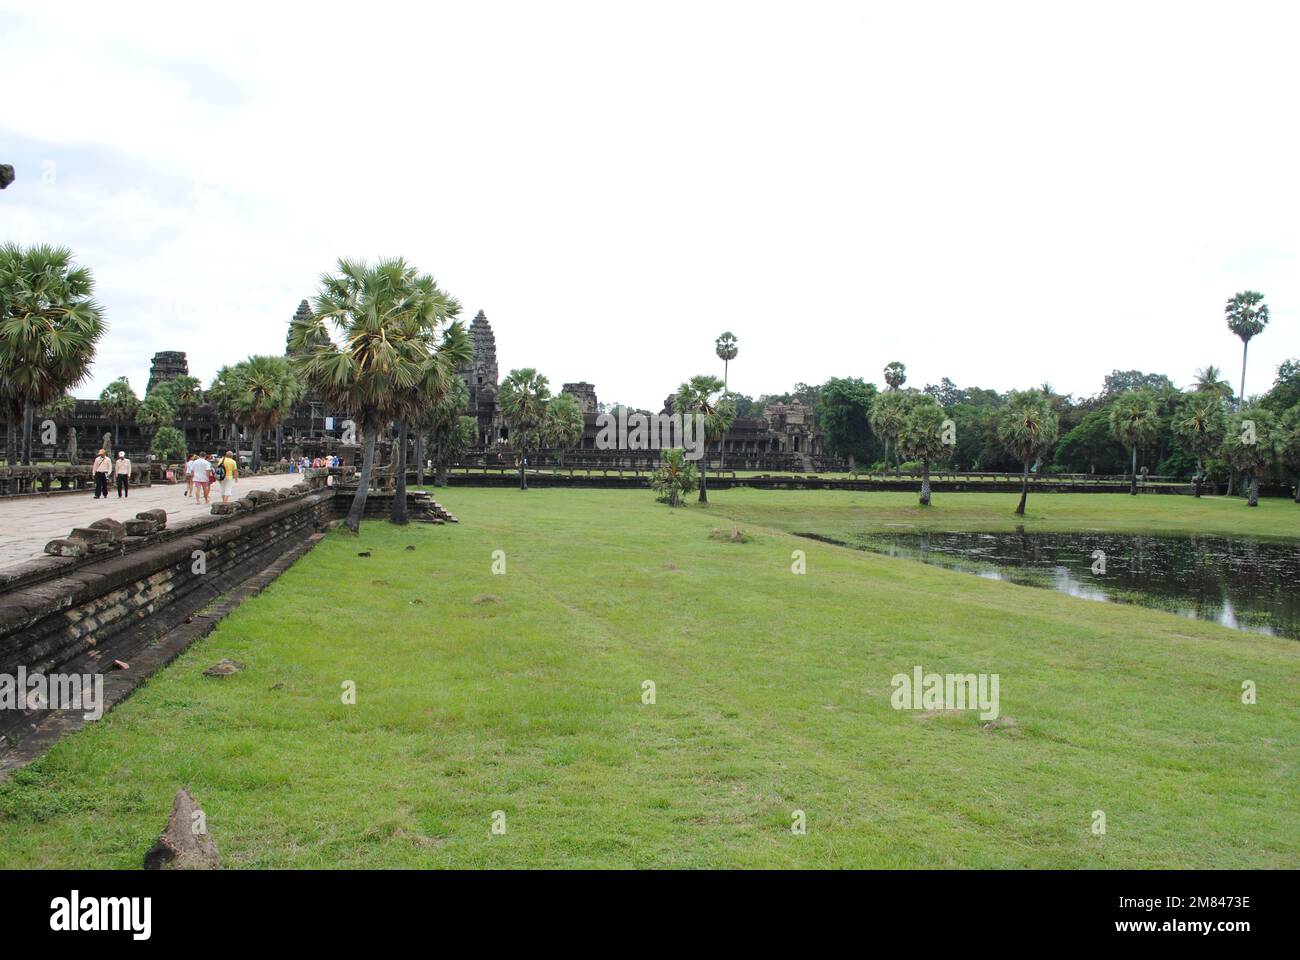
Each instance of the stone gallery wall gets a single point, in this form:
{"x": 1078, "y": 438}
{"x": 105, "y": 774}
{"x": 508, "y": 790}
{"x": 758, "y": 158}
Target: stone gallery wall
{"x": 74, "y": 602}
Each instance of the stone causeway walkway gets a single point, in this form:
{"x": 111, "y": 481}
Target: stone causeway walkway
{"x": 28, "y": 523}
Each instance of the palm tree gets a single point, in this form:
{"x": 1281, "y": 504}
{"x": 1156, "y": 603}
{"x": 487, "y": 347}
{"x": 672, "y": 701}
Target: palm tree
{"x": 442, "y": 396}
{"x": 382, "y": 349}
{"x": 49, "y": 326}
{"x": 886, "y": 415}
{"x": 1134, "y": 421}
{"x": 1199, "y": 425}
{"x": 726, "y": 347}
{"x": 1247, "y": 315}
{"x": 1253, "y": 443}
{"x": 266, "y": 392}
{"x": 921, "y": 438}
{"x": 895, "y": 374}
{"x": 1290, "y": 452}
{"x": 438, "y": 378}
{"x": 185, "y": 393}
{"x": 223, "y": 396}
{"x": 155, "y": 413}
{"x": 563, "y": 425}
{"x": 119, "y": 402}
{"x": 522, "y": 400}
{"x": 697, "y": 396}
{"x": 1210, "y": 380}
{"x": 440, "y": 420}
{"x": 430, "y": 307}
{"x": 1027, "y": 428}
{"x": 1291, "y": 444}
{"x": 674, "y": 476}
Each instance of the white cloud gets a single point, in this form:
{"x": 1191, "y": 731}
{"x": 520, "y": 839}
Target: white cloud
{"x": 999, "y": 193}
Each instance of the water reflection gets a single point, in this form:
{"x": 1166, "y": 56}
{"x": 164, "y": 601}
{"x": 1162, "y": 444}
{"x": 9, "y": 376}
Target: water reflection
{"x": 1241, "y": 583}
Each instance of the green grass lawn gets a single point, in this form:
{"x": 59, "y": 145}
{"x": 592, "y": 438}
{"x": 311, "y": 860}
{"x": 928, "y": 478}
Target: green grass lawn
{"x": 521, "y": 693}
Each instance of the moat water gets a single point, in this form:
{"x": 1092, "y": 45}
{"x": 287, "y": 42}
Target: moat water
{"x": 1243, "y": 583}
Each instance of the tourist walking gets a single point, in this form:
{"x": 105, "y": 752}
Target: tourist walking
{"x": 202, "y": 473}
{"x": 102, "y": 468}
{"x": 123, "y": 470}
{"x": 227, "y": 475}
{"x": 189, "y": 475}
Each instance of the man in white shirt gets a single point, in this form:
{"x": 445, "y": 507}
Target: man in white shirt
{"x": 122, "y": 468}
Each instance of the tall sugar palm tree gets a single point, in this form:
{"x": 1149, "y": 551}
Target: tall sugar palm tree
{"x": 1247, "y": 316}
{"x": 156, "y": 412}
{"x": 49, "y": 327}
{"x": 362, "y": 348}
{"x": 1134, "y": 421}
{"x": 1254, "y": 441}
{"x": 922, "y": 438}
{"x": 522, "y": 399}
{"x": 440, "y": 421}
{"x": 700, "y": 395}
{"x": 726, "y": 347}
{"x": 1199, "y": 425}
{"x": 1027, "y": 428}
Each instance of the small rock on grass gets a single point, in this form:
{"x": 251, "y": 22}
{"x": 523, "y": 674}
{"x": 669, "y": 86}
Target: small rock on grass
{"x": 223, "y": 668}
{"x": 185, "y": 843}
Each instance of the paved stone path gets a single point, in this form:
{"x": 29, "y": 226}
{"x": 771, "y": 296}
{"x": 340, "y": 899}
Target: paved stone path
{"x": 28, "y": 523}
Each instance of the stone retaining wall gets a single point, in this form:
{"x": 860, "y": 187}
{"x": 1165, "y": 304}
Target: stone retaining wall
{"x": 60, "y": 607}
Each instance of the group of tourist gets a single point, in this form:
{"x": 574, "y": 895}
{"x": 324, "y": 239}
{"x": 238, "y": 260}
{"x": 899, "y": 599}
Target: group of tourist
{"x": 202, "y": 470}
{"x": 303, "y": 464}
{"x": 105, "y": 467}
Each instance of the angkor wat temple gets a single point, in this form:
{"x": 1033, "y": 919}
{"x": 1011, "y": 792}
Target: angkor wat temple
{"x": 784, "y": 438}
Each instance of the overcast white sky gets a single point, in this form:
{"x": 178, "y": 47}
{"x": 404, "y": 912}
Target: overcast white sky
{"x": 999, "y": 193}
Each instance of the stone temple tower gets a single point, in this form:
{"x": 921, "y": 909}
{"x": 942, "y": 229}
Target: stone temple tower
{"x": 481, "y": 379}
{"x": 167, "y": 365}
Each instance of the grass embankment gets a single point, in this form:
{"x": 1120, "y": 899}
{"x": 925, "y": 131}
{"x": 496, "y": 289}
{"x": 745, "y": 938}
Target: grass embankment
{"x": 521, "y": 693}
{"x": 850, "y": 516}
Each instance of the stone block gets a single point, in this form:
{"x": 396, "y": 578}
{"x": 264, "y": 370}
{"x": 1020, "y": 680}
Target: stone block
{"x": 116, "y": 529}
{"x": 157, "y": 515}
{"x": 67, "y": 547}
{"x": 92, "y": 534}
{"x": 140, "y": 528}
{"x": 223, "y": 509}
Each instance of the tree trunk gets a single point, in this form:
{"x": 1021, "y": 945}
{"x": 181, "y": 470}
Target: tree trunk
{"x": 1024, "y": 490}
{"x": 440, "y": 463}
{"x": 257, "y": 450}
{"x": 363, "y": 486}
{"x": 925, "y": 483}
{"x": 704, "y": 475}
{"x": 27, "y": 433}
{"x": 398, "y": 513}
{"x": 1133, "y": 478}
{"x": 419, "y": 457}
{"x": 1253, "y": 499}
{"x": 1241, "y": 399}
{"x": 523, "y": 466}
{"x": 116, "y": 439}
{"x": 11, "y": 441}
{"x": 1297, "y": 490}
{"x": 279, "y": 442}
{"x": 1200, "y": 469}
